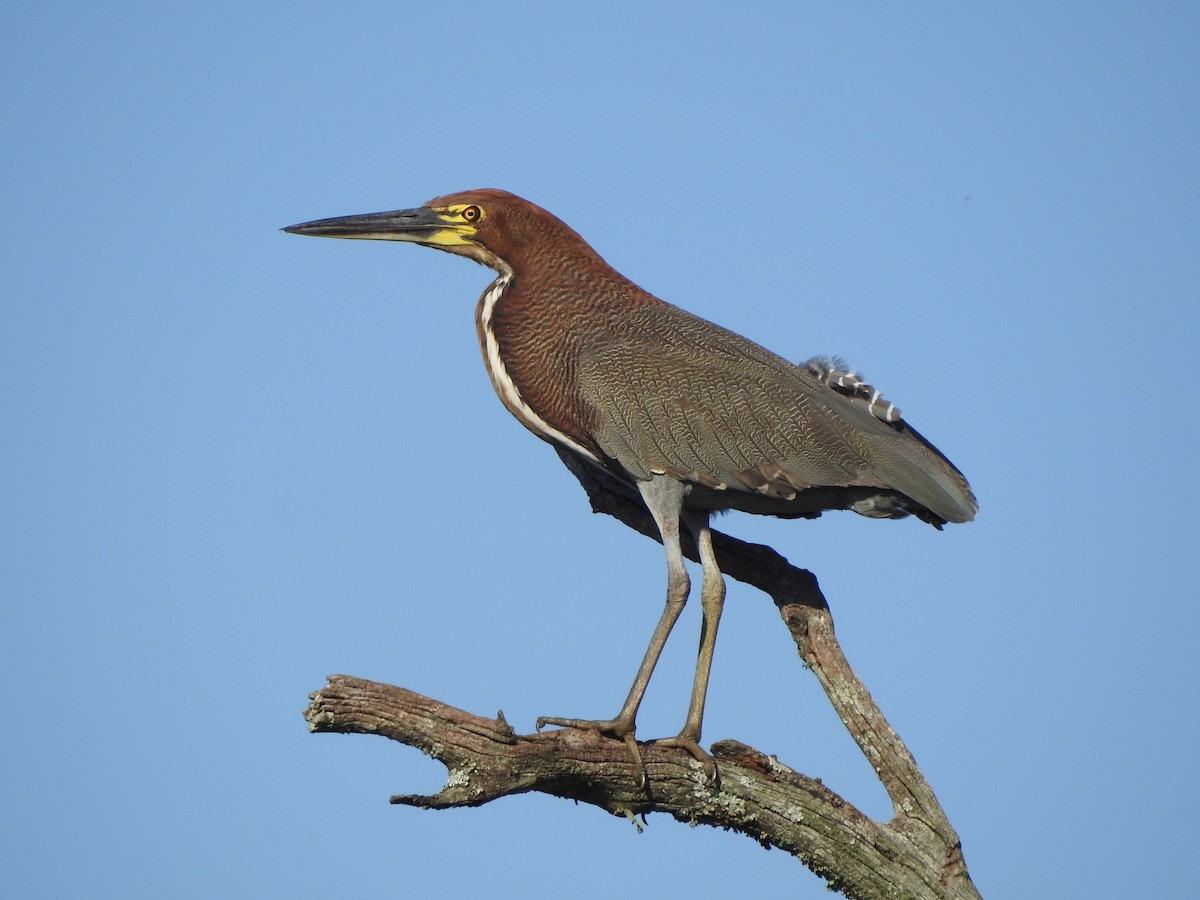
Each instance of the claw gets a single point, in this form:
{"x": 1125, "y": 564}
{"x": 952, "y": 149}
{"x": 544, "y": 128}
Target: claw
{"x": 613, "y": 728}
{"x": 693, "y": 747}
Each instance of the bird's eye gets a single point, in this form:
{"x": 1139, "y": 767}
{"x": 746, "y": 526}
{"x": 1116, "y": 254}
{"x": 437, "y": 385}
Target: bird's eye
{"x": 472, "y": 214}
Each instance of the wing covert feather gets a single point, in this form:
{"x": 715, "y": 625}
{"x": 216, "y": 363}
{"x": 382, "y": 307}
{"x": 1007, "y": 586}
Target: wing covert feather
{"x": 674, "y": 394}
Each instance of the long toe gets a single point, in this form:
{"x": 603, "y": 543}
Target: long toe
{"x": 692, "y": 746}
{"x": 615, "y": 728}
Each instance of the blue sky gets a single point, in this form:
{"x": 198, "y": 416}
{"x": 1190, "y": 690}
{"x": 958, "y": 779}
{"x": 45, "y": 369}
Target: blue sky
{"x": 235, "y": 460}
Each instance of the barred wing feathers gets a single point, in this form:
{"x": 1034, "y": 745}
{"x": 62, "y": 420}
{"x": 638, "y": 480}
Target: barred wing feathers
{"x": 674, "y": 394}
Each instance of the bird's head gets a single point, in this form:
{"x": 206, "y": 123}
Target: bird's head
{"x": 489, "y": 226}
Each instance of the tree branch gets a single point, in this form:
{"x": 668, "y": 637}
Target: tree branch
{"x": 916, "y": 854}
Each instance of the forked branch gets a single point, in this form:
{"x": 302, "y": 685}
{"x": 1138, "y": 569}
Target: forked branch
{"x": 916, "y": 854}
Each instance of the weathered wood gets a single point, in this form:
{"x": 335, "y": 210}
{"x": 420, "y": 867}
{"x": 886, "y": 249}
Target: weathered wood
{"x": 916, "y": 854}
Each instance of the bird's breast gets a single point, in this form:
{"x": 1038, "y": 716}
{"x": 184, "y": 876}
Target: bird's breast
{"x": 530, "y": 376}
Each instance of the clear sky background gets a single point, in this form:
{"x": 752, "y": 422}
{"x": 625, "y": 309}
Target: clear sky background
{"x": 234, "y": 460}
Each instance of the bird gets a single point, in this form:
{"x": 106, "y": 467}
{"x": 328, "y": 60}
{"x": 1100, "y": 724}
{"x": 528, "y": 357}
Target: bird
{"x": 694, "y": 417}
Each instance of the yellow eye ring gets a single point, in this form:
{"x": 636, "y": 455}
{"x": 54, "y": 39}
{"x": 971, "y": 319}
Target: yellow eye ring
{"x": 472, "y": 214}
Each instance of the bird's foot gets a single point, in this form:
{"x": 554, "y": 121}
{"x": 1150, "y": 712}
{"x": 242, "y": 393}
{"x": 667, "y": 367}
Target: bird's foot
{"x": 686, "y": 742}
{"x": 617, "y": 728}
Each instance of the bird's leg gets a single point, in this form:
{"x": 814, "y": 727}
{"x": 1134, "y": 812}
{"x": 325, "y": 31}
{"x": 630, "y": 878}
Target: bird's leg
{"x": 712, "y": 600}
{"x": 664, "y": 498}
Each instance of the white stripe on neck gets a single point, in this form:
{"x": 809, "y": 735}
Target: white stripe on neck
{"x": 504, "y": 384}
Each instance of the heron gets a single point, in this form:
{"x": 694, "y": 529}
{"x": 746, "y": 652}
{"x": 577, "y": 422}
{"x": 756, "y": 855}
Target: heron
{"x": 695, "y": 418}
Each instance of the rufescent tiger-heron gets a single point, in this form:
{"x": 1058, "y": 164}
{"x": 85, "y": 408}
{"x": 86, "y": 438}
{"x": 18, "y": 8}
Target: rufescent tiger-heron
{"x": 695, "y": 417}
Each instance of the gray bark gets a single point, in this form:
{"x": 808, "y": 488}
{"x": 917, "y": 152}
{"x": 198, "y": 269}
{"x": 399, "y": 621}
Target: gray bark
{"x": 916, "y": 854}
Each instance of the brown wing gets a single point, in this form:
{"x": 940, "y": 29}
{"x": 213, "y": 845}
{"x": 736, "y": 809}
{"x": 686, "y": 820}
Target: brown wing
{"x": 674, "y": 394}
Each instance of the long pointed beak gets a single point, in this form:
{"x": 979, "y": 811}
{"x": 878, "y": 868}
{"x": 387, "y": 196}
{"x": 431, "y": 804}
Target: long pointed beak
{"x": 399, "y": 225}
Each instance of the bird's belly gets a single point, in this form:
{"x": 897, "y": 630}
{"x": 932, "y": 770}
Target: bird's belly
{"x": 806, "y": 504}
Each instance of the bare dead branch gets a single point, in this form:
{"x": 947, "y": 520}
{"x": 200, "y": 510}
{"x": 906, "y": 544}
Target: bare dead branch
{"x": 917, "y": 854}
